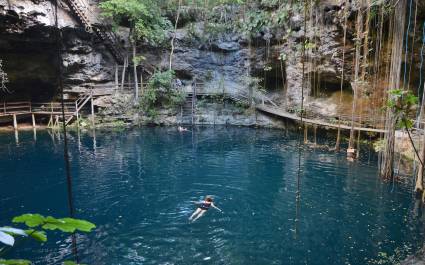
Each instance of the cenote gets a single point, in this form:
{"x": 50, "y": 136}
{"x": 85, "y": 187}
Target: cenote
{"x": 137, "y": 186}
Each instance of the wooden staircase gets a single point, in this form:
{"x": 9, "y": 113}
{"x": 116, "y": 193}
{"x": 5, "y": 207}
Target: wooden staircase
{"x": 82, "y": 10}
{"x": 82, "y": 100}
{"x": 187, "y": 111}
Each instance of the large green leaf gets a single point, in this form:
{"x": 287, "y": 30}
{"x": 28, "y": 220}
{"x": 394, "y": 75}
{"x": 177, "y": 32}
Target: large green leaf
{"x": 37, "y": 235}
{"x": 71, "y": 263}
{"x": 78, "y": 224}
{"x": 68, "y": 225}
{"x": 31, "y": 220}
{"x": 14, "y": 262}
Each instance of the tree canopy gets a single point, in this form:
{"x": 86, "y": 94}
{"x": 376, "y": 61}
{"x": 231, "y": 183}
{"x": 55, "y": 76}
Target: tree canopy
{"x": 144, "y": 18}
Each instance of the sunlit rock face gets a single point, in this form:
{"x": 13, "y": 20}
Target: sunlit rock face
{"x": 29, "y": 49}
{"x": 229, "y": 62}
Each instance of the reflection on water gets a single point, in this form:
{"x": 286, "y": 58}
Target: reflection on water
{"x": 137, "y": 186}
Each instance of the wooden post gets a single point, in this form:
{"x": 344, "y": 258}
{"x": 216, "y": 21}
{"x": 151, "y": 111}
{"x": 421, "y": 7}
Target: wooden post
{"x": 4, "y": 107}
{"x": 193, "y": 101}
{"x": 305, "y": 133}
{"x": 136, "y": 83}
{"x": 49, "y": 124}
{"x": 76, "y": 109}
{"x": 419, "y": 186}
{"x": 116, "y": 76}
{"x": 33, "y": 120}
{"x": 128, "y": 78}
{"x": 15, "y": 122}
{"x": 315, "y": 135}
{"x": 250, "y": 95}
{"x": 142, "y": 88}
{"x": 16, "y": 137}
{"x": 123, "y": 73}
{"x": 92, "y": 108}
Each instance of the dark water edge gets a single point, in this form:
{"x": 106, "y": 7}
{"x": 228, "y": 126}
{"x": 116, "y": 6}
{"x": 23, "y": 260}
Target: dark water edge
{"x": 137, "y": 184}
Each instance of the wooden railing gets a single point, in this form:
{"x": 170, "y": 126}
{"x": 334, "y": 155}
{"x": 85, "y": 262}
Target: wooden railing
{"x": 123, "y": 86}
{"x": 16, "y": 107}
{"x": 23, "y": 107}
{"x": 258, "y": 98}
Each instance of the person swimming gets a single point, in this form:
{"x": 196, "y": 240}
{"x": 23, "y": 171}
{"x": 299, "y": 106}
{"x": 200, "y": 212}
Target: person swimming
{"x": 182, "y": 129}
{"x": 203, "y": 207}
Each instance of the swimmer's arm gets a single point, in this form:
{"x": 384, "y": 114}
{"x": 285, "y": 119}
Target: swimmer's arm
{"x": 215, "y": 207}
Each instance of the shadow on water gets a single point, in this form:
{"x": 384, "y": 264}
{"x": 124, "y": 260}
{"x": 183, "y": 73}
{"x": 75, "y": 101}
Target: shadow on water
{"x": 137, "y": 186}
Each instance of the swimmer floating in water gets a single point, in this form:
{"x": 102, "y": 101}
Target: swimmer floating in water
{"x": 182, "y": 129}
{"x": 203, "y": 206}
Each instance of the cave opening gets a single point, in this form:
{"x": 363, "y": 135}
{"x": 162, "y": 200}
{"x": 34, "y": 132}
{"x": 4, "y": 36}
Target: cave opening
{"x": 272, "y": 77}
{"x": 31, "y": 64}
{"x": 324, "y": 86}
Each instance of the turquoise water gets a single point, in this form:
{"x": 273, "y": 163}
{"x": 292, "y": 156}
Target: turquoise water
{"x": 137, "y": 186}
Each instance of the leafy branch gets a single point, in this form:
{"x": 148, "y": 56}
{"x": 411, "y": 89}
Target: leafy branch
{"x": 36, "y": 227}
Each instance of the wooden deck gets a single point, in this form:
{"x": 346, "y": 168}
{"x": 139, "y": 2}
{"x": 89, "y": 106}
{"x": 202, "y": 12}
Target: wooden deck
{"x": 53, "y": 110}
{"x": 280, "y": 113}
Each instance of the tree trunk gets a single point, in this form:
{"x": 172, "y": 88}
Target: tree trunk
{"x": 174, "y": 35}
{"x": 387, "y": 171}
{"x": 136, "y": 84}
{"x": 123, "y": 72}
{"x": 142, "y": 89}
{"x": 359, "y": 37}
{"x": 419, "y": 187}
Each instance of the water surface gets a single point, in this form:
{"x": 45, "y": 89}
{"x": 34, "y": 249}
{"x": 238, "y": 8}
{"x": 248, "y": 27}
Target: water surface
{"x": 137, "y": 186}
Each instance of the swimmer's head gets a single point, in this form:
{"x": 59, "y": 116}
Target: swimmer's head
{"x": 208, "y": 199}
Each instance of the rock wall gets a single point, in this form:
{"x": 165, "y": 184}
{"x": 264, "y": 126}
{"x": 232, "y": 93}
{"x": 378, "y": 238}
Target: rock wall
{"x": 227, "y": 60}
{"x": 224, "y": 60}
{"x": 28, "y": 48}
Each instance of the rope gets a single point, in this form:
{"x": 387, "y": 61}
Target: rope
{"x": 422, "y": 58}
{"x": 338, "y": 140}
{"x": 66, "y": 152}
{"x": 301, "y": 128}
{"x": 407, "y": 43}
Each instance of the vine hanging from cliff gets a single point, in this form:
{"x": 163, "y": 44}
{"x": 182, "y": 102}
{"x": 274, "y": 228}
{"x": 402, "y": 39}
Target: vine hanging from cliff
{"x": 3, "y": 79}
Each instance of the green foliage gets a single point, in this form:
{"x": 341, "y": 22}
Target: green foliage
{"x": 242, "y": 105}
{"x": 254, "y": 22}
{"x": 161, "y": 80}
{"x": 40, "y": 236}
{"x": 138, "y": 59}
{"x": 219, "y": 97}
{"x": 159, "y": 90}
{"x": 3, "y": 78}
{"x": 68, "y": 225}
{"x": 280, "y": 17}
{"x": 270, "y": 3}
{"x": 149, "y": 98}
{"x": 402, "y": 103}
{"x": 309, "y": 45}
{"x": 176, "y": 98}
{"x": 71, "y": 263}
{"x": 14, "y": 262}
{"x": 144, "y": 17}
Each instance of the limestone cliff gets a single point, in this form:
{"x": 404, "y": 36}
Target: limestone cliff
{"x": 29, "y": 51}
